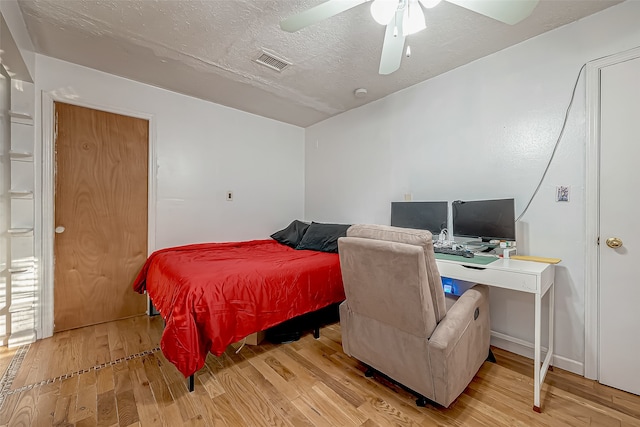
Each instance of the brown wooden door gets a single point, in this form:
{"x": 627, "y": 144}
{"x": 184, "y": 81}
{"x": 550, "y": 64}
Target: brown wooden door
{"x": 101, "y": 202}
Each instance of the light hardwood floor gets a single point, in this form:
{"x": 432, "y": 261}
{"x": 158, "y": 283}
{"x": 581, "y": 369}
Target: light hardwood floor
{"x": 113, "y": 374}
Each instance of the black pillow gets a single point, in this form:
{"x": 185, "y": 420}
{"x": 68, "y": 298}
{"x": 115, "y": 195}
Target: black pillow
{"x": 323, "y": 237}
{"x": 292, "y": 235}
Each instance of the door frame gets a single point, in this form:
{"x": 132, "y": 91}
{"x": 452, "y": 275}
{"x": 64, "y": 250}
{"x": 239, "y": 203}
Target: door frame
{"x": 44, "y": 227}
{"x": 592, "y": 202}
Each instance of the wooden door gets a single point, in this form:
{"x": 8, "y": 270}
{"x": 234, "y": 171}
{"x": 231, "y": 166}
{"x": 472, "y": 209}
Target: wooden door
{"x": 619, "y": 281}
{"x": 100, "y": 215}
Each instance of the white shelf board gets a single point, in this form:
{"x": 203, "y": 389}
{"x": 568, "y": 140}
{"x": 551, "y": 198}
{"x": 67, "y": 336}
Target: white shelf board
{"x": 23, "y": 118}
{"x": 21, "y": 232}
{"x": 17, "y": 339}
{"x": 24, "y": 262}
{"x": 21, "y": 194}
{"x": 24, "y": 306}
{"x": 21, "y": 156}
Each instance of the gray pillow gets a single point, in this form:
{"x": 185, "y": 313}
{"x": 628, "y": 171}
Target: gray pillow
{"x": 292, "y": 235}
{"x": 323, "y": 237}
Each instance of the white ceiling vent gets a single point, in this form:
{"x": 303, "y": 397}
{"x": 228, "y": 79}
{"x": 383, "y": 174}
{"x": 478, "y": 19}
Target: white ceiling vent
{"x": 270, "y": 60}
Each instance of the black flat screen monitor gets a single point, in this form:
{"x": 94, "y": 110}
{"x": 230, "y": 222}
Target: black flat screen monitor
{"x": 484, "y": 219}
{"x": 430, "y": 216}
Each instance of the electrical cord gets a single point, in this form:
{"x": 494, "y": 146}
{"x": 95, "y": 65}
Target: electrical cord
{"x": 244, "y": 341}
{"x": 555, "y": 148}
{"x": 444, "y": 235}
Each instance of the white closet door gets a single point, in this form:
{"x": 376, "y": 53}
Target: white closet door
{"x": 619, "y": 284}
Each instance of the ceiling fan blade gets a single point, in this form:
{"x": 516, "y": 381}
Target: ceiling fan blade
{"x": 508, "y": 11}
{"x": 393, "y": 45}
{"x": 318, "y": 13}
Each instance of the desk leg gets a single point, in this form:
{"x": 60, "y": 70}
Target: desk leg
{"x": 540, "y": 371}
{"x": 536, "y": 353}
{"x": 552, "y": 310}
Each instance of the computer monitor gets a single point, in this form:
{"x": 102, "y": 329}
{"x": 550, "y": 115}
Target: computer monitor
{"x": 430, "y": 216}
{"x": 484, "y": 219}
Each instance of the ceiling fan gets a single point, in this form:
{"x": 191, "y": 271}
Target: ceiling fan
{"x": 405, "y": 17}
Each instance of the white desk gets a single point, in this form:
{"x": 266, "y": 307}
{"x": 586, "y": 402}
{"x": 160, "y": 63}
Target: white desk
{"x": 526, "y": 276}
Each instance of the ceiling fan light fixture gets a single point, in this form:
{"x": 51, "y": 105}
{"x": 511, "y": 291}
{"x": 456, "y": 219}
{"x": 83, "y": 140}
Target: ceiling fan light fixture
{"x": 383, "y": 11}
{"x": 428, "y": 4}
{"x": 405, "y": 17}
{"x": 413, "y": 18}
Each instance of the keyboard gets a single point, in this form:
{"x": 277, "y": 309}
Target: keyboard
{"x": 449, "y": 251}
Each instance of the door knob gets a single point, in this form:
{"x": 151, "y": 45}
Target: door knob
{"x": 59, "y": 229}
{"x": 614, "y": 242}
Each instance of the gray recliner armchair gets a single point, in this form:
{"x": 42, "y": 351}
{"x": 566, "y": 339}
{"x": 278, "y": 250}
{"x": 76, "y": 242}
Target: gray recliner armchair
{"x": 395, "y": 319}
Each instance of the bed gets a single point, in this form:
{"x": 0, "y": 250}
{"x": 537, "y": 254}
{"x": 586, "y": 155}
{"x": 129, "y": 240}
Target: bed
{"x": 213, "y": 294}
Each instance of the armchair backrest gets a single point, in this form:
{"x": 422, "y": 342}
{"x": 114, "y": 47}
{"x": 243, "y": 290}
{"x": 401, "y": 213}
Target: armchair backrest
{"x": 422, "y": 238}
{"x": 390, "y": 274}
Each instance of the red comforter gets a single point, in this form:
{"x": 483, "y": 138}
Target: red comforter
{"x": 213, "y": 294}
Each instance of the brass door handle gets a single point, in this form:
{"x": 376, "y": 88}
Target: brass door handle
{"x": 614, "y": 242}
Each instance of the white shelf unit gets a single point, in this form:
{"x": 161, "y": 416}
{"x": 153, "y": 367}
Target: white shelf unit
{"x": 21, "y": 274}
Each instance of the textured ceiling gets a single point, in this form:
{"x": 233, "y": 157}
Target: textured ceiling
{"x": 207, "y": 48}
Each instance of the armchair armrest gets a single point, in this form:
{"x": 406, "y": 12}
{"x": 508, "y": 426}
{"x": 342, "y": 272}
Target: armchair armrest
{"x": 460, "y": 343}
{"x": 461, "y": 315}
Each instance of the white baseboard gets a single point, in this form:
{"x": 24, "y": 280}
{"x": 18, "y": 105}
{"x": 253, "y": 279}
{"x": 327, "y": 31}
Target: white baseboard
{"x": 525, "y": 348}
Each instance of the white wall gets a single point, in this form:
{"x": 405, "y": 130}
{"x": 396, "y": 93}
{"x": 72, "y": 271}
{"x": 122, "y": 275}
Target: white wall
{"x": 484, "y": 130}
{"x": 203, "y": 150}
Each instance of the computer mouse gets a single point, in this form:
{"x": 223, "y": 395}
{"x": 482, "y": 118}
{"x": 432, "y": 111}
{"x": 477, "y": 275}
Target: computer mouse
{"x": 468, "y": 254}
